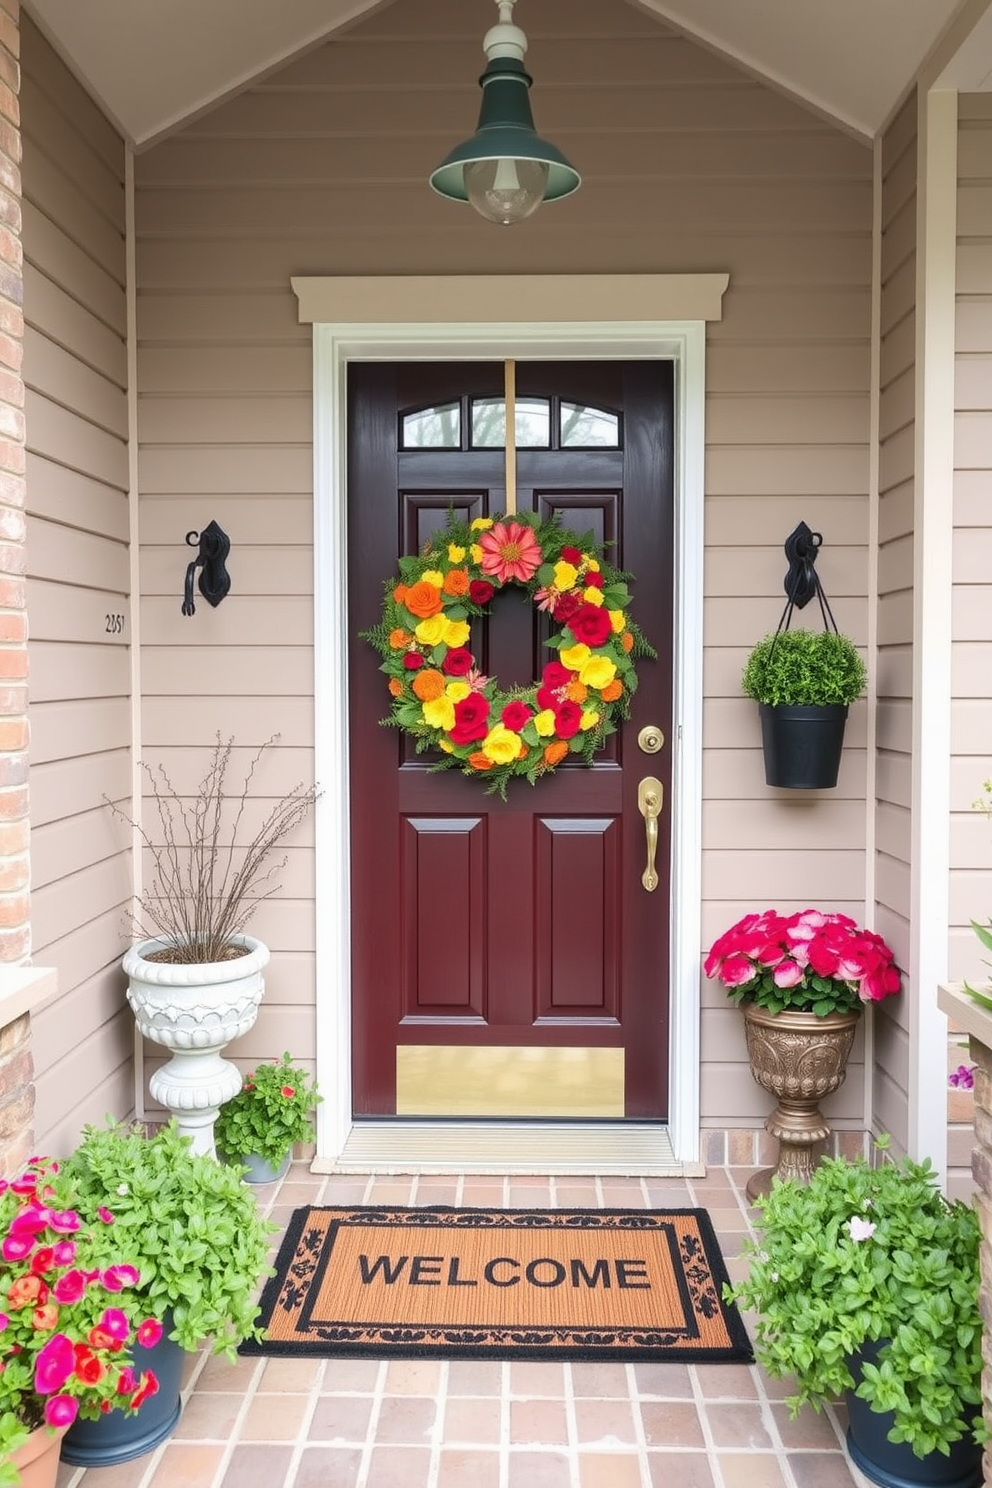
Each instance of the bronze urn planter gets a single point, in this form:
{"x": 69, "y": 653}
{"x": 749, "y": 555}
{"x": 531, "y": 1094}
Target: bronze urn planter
{"x": 800, "y": 1058}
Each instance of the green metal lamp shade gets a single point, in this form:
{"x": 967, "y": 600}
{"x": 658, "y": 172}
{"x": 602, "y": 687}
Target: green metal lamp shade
{"x": 527, "y": 169}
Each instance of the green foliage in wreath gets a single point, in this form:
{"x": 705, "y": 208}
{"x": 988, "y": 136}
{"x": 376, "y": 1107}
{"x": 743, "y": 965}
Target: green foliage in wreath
{"x": 440, "y": 696}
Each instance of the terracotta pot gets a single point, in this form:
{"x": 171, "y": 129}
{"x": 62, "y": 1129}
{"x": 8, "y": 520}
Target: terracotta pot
{"x": 38, "y": 1460}
{"x": 800, "y": 1058}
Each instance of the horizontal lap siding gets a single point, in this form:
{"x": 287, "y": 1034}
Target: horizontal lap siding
{"x": 893, "y": 806}
{"x": 688, "y": 165}
{"x": 75, "y": 373}
{"x": 971, "y": 660}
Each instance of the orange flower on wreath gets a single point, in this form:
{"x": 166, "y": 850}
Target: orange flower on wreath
{"x": 395, "y": 686}
{"x": 422, "y": 600}
{"x": 479, "y": 761}
{"x": 456, "y": 581}
{"x": 398, "y": 639}
{"x": 399, "y": 593}
{"x": 428, "y": 685}
{"x": 555, "y": 753}
{"x": 627, "y": 641}
{"x": 576, "y": 691}
{"x": 612, "y": 691}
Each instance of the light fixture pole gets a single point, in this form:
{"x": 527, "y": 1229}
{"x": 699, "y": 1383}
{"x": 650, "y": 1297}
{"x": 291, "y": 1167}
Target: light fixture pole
{"x": 505, "y": 170}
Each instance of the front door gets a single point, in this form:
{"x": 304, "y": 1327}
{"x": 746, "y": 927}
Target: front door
{"x": 507, "y": 959}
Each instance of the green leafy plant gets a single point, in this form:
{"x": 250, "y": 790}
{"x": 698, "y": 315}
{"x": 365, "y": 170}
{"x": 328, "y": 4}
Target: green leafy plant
{"x": 188, "y": 1224}
{"x": 872, "y": 1254}
{"x": 210, "y": 873}
{"x": 804, "y": 668}
{"x": 272, "y": 1111}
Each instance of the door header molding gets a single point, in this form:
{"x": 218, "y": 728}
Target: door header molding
{"x": 466, "y": 298}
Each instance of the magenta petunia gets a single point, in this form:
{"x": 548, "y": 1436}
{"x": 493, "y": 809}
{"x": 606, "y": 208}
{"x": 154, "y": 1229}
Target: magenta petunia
{"x": 70, "y": 1286}
{"x": 16, "y": 1247}
{"x": 61, "y": 1411}
{"x": 115, "y": 1323}
{"x": 54, "y": 1364}
{"x": 105, "y": 1214}
{"x": 65, "y": 1222}
{"x": 116, "y": 1278}
{"x": 149, "y": 1332}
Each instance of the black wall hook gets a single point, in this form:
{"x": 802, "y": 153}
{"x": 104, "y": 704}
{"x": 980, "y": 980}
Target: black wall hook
{"x": 215, "y": 581}
{"x": 802, "y": 582}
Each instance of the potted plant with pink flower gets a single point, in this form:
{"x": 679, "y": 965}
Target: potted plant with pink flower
{"x": 802, "y": 981}
{"x": 194, "y": 1231}
{"x": 70, "y": 1316}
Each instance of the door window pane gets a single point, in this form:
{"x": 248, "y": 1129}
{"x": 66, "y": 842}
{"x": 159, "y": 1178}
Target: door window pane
{"x": 533, "y": 423}
{"x": 582, "y": 427}
{"x": 433, "y": 428}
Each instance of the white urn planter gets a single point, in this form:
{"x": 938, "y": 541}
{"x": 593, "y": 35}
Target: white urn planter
{"x": 195, "y": 1009}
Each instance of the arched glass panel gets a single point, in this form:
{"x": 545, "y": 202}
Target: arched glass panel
{"x": 583, "y": 427}
{"x": 533, "y": 423}
{"x": 439, "y": 427}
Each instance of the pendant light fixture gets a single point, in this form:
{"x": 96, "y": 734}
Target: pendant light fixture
{"x": 505, "y": 170}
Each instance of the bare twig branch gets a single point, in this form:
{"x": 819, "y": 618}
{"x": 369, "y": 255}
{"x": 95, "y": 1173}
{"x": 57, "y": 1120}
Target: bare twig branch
{"x": 206, "y": 884}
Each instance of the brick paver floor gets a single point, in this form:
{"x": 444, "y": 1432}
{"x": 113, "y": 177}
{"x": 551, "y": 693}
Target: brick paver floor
{"x": 281, "y": 1423}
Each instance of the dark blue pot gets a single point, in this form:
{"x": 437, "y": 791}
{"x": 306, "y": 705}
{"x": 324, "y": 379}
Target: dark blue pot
{"x": 894, "y": 1464}
{"x": 121, "y": 1435}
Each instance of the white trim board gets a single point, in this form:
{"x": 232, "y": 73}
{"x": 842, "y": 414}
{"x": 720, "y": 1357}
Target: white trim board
{"x": 334, "y": 346}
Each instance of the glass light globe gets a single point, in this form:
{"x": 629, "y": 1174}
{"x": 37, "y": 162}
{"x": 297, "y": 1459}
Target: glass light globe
{"x": 506, "y": 190}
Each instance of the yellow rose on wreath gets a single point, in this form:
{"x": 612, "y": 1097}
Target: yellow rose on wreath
{"x": 430, "y": 632}
{"x": 433, "y": 576}
{"x": 440, "y": 713}
{"x": 457, "y": 690}
{"x": 565, "y": 575}
{"x": 545, "y": 723}
{"x": 575, "y": 657}
{"x": 501, "y": 745}
{"x": 598, "y": 671}
{"x": 456, "y": 632}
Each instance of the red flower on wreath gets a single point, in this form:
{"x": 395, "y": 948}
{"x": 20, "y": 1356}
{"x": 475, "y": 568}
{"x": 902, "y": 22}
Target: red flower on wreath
{"x": 480, "y": 591}
{"x": 471, "y": 719}
{"x": 566, "y": 605}
{"x": 516, "y": 716}
{"x": 458, "y": 662}
{"x": 591, "y": 624}
{"x": 568, "y": 716}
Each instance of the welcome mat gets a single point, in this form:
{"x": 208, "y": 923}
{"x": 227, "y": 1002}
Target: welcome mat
{"x": 620, "y": 1284}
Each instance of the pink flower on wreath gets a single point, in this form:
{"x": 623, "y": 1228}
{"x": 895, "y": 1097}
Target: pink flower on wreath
{"x": 510, "y": 551}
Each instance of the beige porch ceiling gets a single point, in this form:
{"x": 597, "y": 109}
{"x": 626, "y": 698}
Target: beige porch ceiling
{"x": 156, "y": 63}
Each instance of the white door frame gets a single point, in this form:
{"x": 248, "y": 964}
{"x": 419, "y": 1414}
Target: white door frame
{"x": 336, "y": 342}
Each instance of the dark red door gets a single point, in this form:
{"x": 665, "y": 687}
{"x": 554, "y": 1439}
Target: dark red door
{"x": 507, "y": 953}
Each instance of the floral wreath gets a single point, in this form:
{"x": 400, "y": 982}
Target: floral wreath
{"x": 441, "y": 698}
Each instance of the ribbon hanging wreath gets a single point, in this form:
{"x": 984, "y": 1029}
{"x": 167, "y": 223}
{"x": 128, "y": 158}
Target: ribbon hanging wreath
{"x": 440, "y": 696}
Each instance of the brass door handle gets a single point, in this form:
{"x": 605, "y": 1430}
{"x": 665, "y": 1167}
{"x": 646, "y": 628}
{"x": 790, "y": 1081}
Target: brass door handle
{"x": 650, "y": 798}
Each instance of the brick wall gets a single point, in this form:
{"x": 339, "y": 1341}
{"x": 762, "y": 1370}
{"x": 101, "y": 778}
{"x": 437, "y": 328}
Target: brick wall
{"x": 16, "y": 1073}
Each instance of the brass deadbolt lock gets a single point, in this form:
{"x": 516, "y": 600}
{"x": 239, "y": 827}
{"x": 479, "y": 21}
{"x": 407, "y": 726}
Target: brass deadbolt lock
{"x": 650, "y": 739}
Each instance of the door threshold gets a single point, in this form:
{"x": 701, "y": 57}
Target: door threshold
{"x": 615, "y": 1148}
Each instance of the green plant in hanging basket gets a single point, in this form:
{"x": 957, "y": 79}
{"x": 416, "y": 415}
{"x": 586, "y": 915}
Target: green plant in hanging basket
{"x": 804, "y": 668}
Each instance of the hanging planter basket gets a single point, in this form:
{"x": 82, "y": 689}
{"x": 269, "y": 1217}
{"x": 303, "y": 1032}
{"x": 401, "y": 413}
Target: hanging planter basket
{"x": 802, "y": 746}
{"x": 803, "y": 682}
